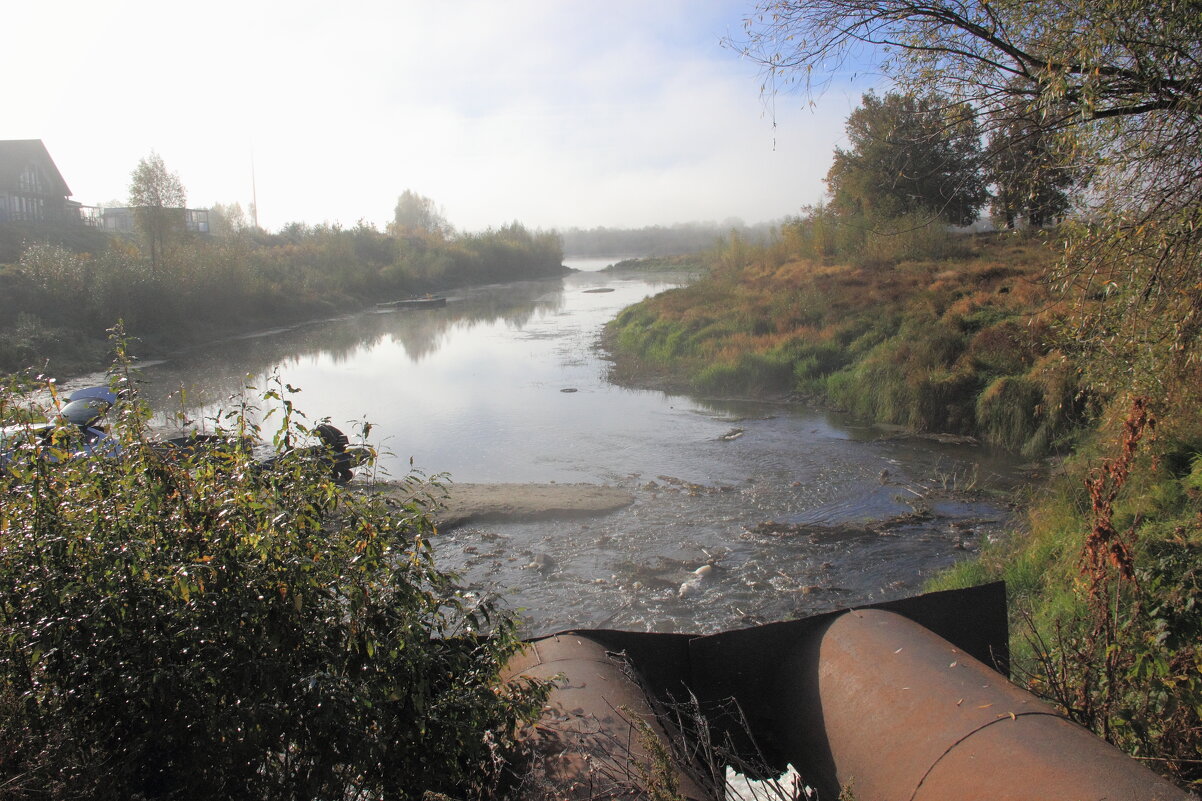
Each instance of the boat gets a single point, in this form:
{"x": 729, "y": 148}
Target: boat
{"x": 428, "y": 302}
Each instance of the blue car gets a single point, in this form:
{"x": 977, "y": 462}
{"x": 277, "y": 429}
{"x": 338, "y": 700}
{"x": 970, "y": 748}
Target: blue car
{"x": 76, "y": 430}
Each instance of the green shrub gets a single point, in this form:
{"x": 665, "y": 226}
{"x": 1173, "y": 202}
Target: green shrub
{"x": 198, "y": 626}
{"x": 1193, "y": 481}
{"x": 750, "y": 371}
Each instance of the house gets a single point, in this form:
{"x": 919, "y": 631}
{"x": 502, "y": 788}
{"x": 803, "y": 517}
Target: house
{"x": 31, "y": 187}
{"x": 33, "y": 190}
{"x": 121, "y": 220}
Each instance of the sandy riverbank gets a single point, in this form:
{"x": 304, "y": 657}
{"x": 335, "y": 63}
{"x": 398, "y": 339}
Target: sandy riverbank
{"x": 474, "y": 503}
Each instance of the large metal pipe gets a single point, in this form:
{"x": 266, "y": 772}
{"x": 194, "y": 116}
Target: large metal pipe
{"x": 904, "y": 714}
{"x": 867, "y": 699}
{"x": 598, "y": 737}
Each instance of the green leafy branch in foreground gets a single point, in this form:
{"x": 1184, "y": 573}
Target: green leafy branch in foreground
{"x": 188, "y": 624}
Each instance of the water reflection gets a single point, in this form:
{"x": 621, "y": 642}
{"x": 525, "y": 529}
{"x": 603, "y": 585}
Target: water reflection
{"x": 471, "y": 388}
{"x": 217, "y": 371}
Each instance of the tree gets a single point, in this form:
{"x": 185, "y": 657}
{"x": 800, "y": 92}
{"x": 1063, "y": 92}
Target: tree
{"x": 1031, "y": 181}
{"x": 227, "y": 220}
{"x": 909, "y": 153}
{"x": 1097, "y": 59}
{"x": 417, "y": 215}
{"x": 158, "y": 199}
{"x": 1118, "y": 82}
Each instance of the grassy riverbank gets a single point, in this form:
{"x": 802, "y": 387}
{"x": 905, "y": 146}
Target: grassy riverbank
{"x": 964, "y": 345}
{"x": 57, "y": 300}
{"x": 971, "y": 337}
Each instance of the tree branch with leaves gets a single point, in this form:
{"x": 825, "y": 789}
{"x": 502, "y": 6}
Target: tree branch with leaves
{"x": 158, "y": 199}
{"x": 1115, "y": 87}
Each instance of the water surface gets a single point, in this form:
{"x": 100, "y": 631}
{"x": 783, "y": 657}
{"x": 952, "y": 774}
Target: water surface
{"x": 507, "y": 384}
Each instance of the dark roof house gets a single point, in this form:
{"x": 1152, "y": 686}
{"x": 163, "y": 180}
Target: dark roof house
{"x": 31, "y": 187}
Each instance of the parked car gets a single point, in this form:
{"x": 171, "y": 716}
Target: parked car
{"x": 79, "y": 429}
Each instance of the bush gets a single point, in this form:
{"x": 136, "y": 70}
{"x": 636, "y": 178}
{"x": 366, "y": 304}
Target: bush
{"x": 197, "y": 626}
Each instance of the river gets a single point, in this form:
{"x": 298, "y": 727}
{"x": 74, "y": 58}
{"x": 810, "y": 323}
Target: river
{"x": 507, "y": 384}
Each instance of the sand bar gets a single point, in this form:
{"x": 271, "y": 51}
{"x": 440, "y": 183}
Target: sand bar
{"x": 477, "y": 503}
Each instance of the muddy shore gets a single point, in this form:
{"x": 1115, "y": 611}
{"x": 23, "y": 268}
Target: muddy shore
{"x": 459, "y": 504}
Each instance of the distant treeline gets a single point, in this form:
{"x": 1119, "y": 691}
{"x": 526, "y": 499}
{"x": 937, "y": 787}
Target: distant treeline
{"x": 657, "y": 240}
{"x": 57, "y": 301}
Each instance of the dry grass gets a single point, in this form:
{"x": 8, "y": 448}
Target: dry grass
{"x": 919, "y": 343}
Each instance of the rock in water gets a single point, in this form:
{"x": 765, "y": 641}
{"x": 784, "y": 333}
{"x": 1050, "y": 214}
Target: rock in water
{"x": 692, "y": 585}
{"x": 541, "y": 562}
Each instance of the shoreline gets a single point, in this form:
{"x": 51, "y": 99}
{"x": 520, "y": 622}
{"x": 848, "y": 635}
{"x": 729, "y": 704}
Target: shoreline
{"x": 457, "y": 505}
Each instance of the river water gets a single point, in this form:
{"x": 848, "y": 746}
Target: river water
{"x": 507, "y": 384}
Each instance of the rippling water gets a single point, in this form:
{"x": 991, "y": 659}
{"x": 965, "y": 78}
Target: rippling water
{"x": 506, "y": 384}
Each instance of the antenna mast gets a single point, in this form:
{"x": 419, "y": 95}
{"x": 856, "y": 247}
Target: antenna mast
{"x": 254, "y": 195}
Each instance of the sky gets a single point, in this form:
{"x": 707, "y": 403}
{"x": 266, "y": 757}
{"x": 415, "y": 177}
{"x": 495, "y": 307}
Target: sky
{"x": 553, "y": 113}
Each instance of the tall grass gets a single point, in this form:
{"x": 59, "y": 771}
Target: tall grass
{"x": 932, "y": 332}
{"x": 1105, "y": 584}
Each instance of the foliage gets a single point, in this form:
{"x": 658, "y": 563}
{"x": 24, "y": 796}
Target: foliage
{"x": 1099, "y": 60}
{"x": 909, "y": 153}
{"x": 56, "y": 302}
{"x": 1030, "y": 178}
{"x": 188, "y": 624}
{"x": 158, "y": 199}
{"x": 227, "y": 220}
{"x": 417, "y": 215}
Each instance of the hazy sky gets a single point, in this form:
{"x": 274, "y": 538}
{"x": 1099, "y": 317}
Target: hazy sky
{"x": 555, "y": 113}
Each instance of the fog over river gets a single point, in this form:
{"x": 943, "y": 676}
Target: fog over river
{"x": 507, "y": 384}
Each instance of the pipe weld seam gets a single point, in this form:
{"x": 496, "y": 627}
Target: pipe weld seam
{"x": 1010, "y": 717}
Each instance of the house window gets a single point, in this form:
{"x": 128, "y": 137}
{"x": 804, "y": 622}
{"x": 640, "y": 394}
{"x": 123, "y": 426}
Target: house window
{"x": 197, "y": 220}
{"x": 31, "y": 180}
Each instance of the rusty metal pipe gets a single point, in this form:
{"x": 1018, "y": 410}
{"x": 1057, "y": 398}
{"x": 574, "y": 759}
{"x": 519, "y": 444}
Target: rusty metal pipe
{"x": 589, "y": 742}
{"x": 905, "y": 714}
{"x": 866, "y": 698}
